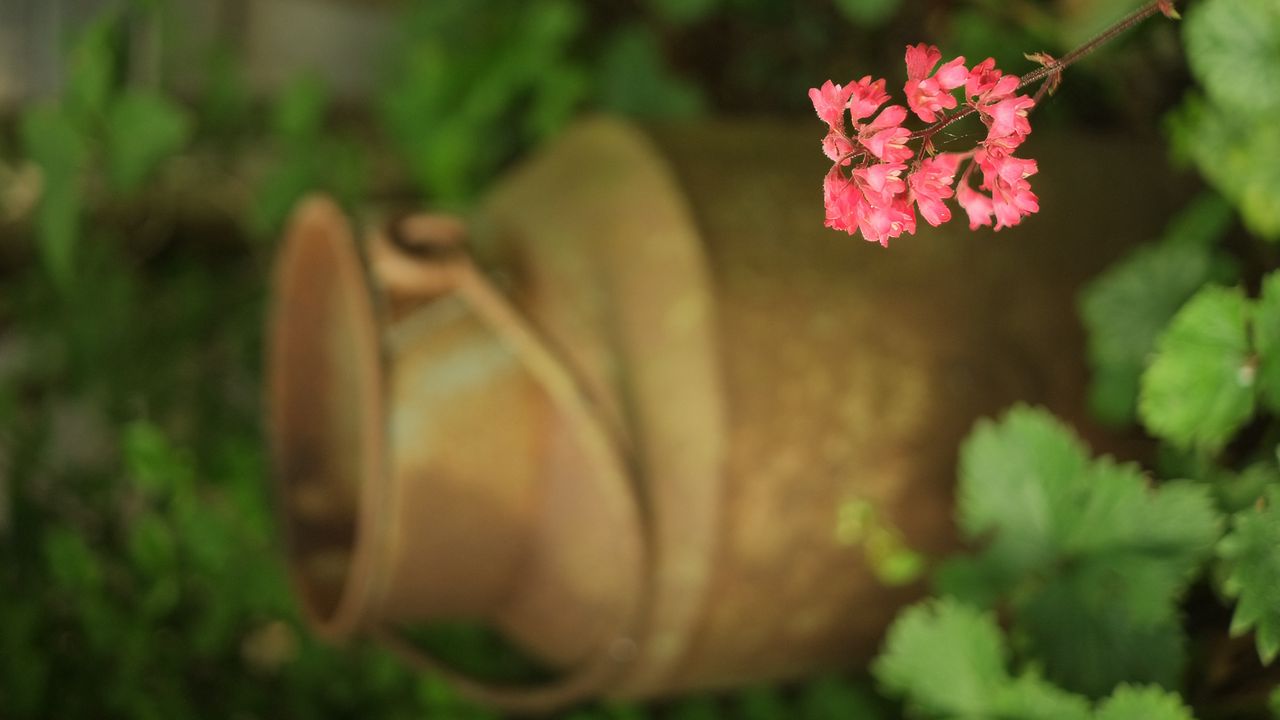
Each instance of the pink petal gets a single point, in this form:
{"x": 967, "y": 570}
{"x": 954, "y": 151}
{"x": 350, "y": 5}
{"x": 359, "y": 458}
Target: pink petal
{"x": 952, "y": 75}
{"x": 920, "y": 60}
{"x": 889, "y": 117}
{"x": 976, "y": 205}
{"x": 866, "y": 96}
{"x": 837, "y": 147}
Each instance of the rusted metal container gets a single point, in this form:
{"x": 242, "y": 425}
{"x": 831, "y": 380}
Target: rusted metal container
{"x": 640, "y": 410}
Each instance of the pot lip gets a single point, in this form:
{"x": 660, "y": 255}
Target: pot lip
{"x": 319, "y": 234}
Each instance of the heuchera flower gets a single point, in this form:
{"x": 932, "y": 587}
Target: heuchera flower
{"x": 831, "y": 101}
{"x": 931, "y": 185}
{"x": 876, "y": 181}
{"x": 929, "y": 95}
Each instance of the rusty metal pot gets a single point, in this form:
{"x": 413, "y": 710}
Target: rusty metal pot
{"x": 623, "y": 414}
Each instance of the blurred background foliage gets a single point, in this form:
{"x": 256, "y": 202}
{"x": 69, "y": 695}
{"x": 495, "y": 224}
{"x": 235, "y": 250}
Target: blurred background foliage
{"x": 139, "y": 209}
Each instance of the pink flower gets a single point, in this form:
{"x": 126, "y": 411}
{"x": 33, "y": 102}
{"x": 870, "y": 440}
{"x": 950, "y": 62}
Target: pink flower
{"x": 837, "y": 147}
{"x": 885, "y": 137}
{"x": 975, "y": 204}
{"x": 866, "y": 97}
{"x": 1006, "y": 168}
{"x": 1008, "y": 117}
{"x": 830, "y": 102}
{"x": 879, "y": 225}
{"x": 841, "y": 200}
{"x": 1011, "y": 198}
{"x": 931, "y": 185}
{"x": 874, "y": 202}
{"x": 872, "y": 190}
{"x": 986, "y": 84}
{"x": 1006, "y": 177}
{"x": 881, "y": 184}
{"x": 929, "y": 95}
{"x": 1001, "y": 145}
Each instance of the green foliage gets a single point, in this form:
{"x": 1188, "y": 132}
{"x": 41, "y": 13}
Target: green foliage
{"x": 1251, "y": 552}
{"x": 947, "y": 658}
{"x": 92, "y": 65}
{"x": 1233, "y": 47}
{"x": 951, "y": 661}
{"x": 1126, "y": 307}
{"x": 1130, "y": 703}
{"x": 1091, "y": 559}
{"x": 142, "y": 129}
{"x": 308, "y": 157}
{"x": 1199, "y": 389}
{"x": 52, "y": 141}
{"x": 472, "y": 85}
{"x": 1233, "y": 150}
{"x": 1218, "y": 354}
{"x": 1266, "y": 338}
{"x": 633, "y": 79}
{"x": 129, "y": 132}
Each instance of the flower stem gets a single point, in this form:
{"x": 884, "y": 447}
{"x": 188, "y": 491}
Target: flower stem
{"x": 1121, "y": 26}
{"x": 1102, "y": 38}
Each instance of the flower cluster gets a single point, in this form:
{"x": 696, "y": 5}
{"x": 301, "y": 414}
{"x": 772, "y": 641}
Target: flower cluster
{"x": 877, "y": 181}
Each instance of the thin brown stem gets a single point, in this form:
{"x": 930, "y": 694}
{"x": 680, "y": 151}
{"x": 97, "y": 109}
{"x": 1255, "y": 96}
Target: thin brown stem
{"x": 1102, "y": 38}
{"x": 1121, "y": 26}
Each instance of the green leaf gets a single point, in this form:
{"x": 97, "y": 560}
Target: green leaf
{"x": 1013, "y": 476}
{"x": 1093, "y": 559}
{"x": 1147, "y": 703}
{"x": 1238, "y": 491}
{"x": 946, "y": 658}
{"x": 1108, "y": 612}
{"x": 52, "y": 141}
{"x": 1235, "y": 153}
{"x": 154, "y": 464}
{"x": 91, "y": 69}
{"x": 143, "y": 128}
{"x": 868, "y": 13}
{"x": 1087, "y": 644}
{"x": 1032, "y": 698}
{"x": 978, "y": 581}
{"x": 1125, "y": 308}
{"x": 152, "y": 545}
{"x": 298, "y": 116}
{"x": 1266, "y": 338}
{"x": 1114, "y": 512}
{"x": 1233, "y": 47}
{"x": 1202, "y": 222}
{"x": 1251, "y": 552}
{"x": 1199, "y": 391}
{"x": 72, "y": 564}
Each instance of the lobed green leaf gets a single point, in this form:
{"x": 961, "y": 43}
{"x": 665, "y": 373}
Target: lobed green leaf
{"x": 1014, "y": 475}
{"x": 946, "y": 658}
{"x": 1198, "y": 391}
{"x": 1147, "y": 703}
{"x": 1233, "y": 47}
{"x": 1251, "y": 552}
{"x": 1126, "y": 307}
